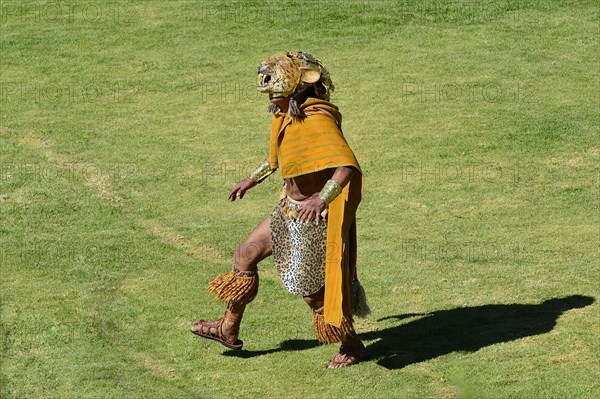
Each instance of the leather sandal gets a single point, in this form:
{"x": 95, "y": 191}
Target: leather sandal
{"x": 214, "y": 330}
{"x": 353, "y": 352}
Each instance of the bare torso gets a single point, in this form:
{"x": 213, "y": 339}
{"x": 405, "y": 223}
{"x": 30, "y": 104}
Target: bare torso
{"x": 301, "y": 187}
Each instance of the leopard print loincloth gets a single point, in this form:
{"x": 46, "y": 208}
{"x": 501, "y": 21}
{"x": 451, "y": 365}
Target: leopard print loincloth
{"x": 298, "y": 249}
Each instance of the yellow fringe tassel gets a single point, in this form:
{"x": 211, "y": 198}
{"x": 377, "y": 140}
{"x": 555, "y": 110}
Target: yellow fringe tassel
{"x": 235, "y": 286}
{"x": 328, "y": 333}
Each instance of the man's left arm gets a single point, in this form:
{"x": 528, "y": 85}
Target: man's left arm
{"x": 314, "y": 206}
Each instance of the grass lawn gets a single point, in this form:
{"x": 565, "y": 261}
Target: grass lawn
{"x": 123, "y": 125}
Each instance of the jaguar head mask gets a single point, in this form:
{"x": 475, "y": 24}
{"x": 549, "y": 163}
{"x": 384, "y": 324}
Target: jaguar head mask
{"x": 292, "y": 73}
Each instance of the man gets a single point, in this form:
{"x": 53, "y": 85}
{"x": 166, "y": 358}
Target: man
{"x": 311, "y": 233}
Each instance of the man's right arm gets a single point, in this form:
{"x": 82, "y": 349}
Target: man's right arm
{"x": 260, "y": 174}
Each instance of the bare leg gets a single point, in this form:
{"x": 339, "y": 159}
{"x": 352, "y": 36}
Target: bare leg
{"x": 352, "y": 349}
{"x": 316, "y": 300}
{"x": 256, "y": 247}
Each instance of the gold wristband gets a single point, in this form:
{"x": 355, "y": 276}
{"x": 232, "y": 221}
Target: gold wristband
{"x": 262, "y": 172}
{"x": 331, "y": 190}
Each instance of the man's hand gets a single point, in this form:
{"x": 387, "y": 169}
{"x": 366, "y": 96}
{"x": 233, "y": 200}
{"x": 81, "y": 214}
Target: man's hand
{"x": 240, "y": 189}
{"x": 311, "y": 210}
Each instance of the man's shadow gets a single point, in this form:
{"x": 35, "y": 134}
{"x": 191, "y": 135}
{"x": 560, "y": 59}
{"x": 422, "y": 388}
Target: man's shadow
{"x": 455, "y": 330}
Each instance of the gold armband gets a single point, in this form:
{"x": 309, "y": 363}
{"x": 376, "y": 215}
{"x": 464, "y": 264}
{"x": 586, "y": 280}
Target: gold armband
{"x": 262, "y": 172}
{"x": 331, "y": 190}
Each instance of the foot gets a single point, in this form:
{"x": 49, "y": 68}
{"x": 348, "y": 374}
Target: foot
{"x": 218, "y": 330}
{"x": 349, "y": 355}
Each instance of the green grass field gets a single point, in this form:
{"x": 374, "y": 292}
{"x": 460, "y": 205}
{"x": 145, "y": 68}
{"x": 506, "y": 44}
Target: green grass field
{"x": 125, "y": 123}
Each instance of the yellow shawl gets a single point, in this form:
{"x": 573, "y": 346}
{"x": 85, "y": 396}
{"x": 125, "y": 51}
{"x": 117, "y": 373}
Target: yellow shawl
{"x": 311, "y": 145}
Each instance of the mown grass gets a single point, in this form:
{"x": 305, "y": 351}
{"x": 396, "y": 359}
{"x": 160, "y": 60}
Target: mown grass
{"x": 124, "y": 124}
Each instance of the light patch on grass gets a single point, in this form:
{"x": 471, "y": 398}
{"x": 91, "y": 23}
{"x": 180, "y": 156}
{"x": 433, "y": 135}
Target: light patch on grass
{"x": 153, "y": 365}
{"x": 102, "y": 185}
{"x": 569, "y": 162}
{"x": 45, "y": 145}
{"x": 176, "y": 239}
{"x": 365, "y": 325}
{"x": 139, "y": 283}
{"x": 97, "y": 180}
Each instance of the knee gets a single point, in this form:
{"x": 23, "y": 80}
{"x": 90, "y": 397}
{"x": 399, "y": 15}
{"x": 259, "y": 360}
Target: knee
{"x": 240, "y": 259}
{"x": 314, "y": 302}
{"x": 247, "y": 256}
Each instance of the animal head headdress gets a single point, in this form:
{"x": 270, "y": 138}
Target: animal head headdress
{"x": 292, "y": 73}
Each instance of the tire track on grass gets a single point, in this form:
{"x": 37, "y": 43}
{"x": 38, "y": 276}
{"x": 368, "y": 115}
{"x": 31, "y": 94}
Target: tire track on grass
{"x": 100, "y": 182}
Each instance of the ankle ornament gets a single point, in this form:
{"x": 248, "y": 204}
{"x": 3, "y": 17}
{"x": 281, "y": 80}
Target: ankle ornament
{"x": 327, "y": 333}
{"x": 235, "y": 286}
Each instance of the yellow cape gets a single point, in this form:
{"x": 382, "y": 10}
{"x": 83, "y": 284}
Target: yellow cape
{"x": 311, "y": 145}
